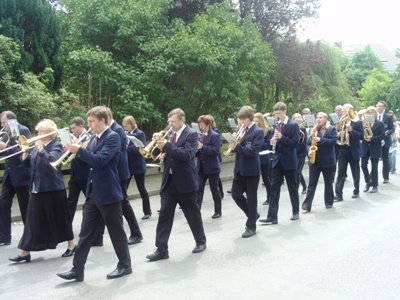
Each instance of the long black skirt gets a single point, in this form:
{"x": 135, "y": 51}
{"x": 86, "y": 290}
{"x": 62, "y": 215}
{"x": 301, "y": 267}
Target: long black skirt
{"x": 48, "y": 222}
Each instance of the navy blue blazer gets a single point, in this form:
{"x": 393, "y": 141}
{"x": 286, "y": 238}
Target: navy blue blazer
{"x": 374, "y": 147}
{"x": 14, "y": 169}
{"x": 302, "y": 149}
{"x": 219, "y": 134}
{"x": 387, "y": 121}
{"x": 102, "y": 158}
{"x": 265, "y": 159}
{"x": 123, "y": 167}
{"x": 137, "y": 163}
{"x": 208, "y": 154}
{"x": 79, "y": 171}
{"x": 285, "y": 149}
{"x": 356, "y": 135}
{"x": 180, "y": 159}
{"x": 247, "y": 158}
{"x": 326, "y": 152}
{"x": 44, "y": 177}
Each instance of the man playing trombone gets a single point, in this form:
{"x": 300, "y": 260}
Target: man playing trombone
{"x": 16, "y": 178}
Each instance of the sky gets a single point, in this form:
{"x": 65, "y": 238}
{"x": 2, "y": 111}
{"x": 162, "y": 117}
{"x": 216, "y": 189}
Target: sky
{"x": 355, "y": 22}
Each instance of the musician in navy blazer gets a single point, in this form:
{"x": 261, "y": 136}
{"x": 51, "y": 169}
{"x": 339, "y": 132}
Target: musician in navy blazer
{"x": 79, "y": 172}
{"x": 48, "y": 222}
{"x": 372, "y": 150}
{"x": 124, "y": 177}
{"x": 284, "y": 164}
{"x": 325, "y": 137}
{"x": 349, "y": 154}
{"x": 302, "y": 150}
{"x": 247, "y": 169}
{"x": 16, "y": 179}
{"x": 137, "y": 163}
{"x": 179, "y": 185}
{"x": 104, "y": 195}
{"x": 208, "y": 163}
{"x": 389, "y": 129}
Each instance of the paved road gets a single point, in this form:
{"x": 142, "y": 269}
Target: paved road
{"x": 349, "y": 252}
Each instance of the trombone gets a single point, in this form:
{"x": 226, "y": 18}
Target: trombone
{"x": 4, "y": 132}
{"x": 25, "y": 144}
{"x": 68, "y": 156}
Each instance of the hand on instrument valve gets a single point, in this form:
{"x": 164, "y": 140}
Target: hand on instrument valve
{"x": 233, "y": 145}
{"x": 349, "y": 128}
{"x": 73, "y": 148}
{"x": 199, "y": 145}
{"x": 2, "y": 145}
{"x": 315, "y": 139}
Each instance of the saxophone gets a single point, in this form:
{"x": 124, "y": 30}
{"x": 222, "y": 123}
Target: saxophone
{"x": 313, "y": 148}
{"x": 366, "y": 126}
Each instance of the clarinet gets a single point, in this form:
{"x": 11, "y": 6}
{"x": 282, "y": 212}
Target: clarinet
{"x": 276, "y": 127}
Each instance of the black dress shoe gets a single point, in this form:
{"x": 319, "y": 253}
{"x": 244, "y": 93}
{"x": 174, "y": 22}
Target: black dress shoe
{"x": 328, "y": 206}
{"x": 268, "y": 221}
{"x": 229, "y": 191}
{"x": 134, "y": 240}
{"x": 354, "y": 196}
{"x": 294, "y": 217}
{"x": 18, "y": 258}
{"x": 119, "y": 272}
{"x": 70, "y": 275}
{"x": 374, "y": 190}
{"x": 386, "y": 181}
{"x": 304, "y": 191}
{"x": 366, "y": 189}
{"x": 305, "y": 207}
{"x": 337, "y": 199}
{"x": 145, "y": 217}
{"x": 157, "y": 255}
{"x": 216, "y": 215}
{"x": 69, "y": 252}
{"x": 266, "y": 202}
{"x": 199, "y": 248}
{"x": 248, "y": 233}
{"x": 5, "y": 243}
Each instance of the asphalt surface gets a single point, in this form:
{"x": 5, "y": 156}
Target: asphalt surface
{"x": 351, "y": 251}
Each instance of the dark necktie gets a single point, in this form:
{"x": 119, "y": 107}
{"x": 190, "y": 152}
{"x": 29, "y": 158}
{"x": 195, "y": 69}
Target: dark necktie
{"x": 281, "y": 129}
{"x": 174, "y": 138}
{"x": 203, "y": 138}
{"x": 380, "y": 117}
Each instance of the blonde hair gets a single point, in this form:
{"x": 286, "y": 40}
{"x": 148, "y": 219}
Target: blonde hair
{"x": 48, "y": 126}
{"x": 261, "y": 122}
{"x": 130, "y": 121}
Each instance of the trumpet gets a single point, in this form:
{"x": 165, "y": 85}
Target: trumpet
{"x": 25, "y": 144}
{"x": 67, "y": 157}
{"x": 151, "y": 150}
{"x": 240, "y": 134}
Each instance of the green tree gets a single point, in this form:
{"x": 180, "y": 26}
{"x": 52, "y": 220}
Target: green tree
{"x": 33, "y": 25}
{"x": 375, "y": 87}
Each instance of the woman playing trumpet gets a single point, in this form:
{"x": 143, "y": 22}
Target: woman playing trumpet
{"x": 48, "y": 222}
{"x": 325, "y": 137}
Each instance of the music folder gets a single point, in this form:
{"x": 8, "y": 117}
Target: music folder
{"x": 65, "y": 137}
{"x": 229, "y": 137}
{"x": 138, "y": 143}
{"x": 334, "y": 118}
{"x": 232, "y": 122}
{"x": 13, "y": 124}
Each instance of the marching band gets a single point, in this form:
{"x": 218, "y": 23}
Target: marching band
{"x": 264, "y": 147}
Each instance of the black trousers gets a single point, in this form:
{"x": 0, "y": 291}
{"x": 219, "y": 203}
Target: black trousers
{"x": 370, "y": 178}
{"x": 265, "y": 170}
{"x": 140, "y": 184}
{"x": 75, "y": 187}
{"x": 111, "y": 215}
{"x": 385, "y": 163}
{"x": 249, "y": 185}
{"x": 345, "y": 158}
{"x": 170, "y": 197}
{"x": 8, "y": 192}
{"x": 127, "y": 212}
{"x": 213, "y": 182}
{"x": 314, "y": 173}
{"x": 278, "y": 173}
{"x": 299, "y": 172}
